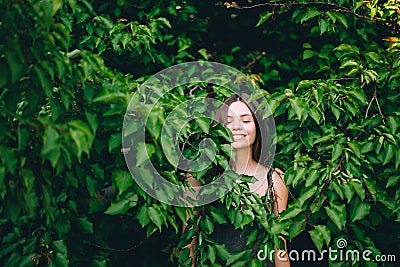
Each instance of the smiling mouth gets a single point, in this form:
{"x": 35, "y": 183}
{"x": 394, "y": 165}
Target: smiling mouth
{"x": 238, "y": 136}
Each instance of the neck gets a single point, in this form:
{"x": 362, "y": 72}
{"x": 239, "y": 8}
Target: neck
{"x": 244, "y": 163}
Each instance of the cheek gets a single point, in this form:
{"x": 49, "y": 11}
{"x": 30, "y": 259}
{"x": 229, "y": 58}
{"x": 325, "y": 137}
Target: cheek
{"x": 251, "y": 131}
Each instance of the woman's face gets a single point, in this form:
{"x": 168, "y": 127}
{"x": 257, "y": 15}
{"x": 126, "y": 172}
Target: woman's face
{"x": 241, "y": 123}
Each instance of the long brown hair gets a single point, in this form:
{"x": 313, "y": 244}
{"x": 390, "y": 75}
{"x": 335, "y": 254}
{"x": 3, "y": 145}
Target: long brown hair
{"x": 260, "y": 154}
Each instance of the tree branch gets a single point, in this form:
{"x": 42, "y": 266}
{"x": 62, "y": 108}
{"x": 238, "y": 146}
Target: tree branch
{"x": 375, "y": 97}
{"x": 254, "y": 61}
{"x": 337, "y": 8}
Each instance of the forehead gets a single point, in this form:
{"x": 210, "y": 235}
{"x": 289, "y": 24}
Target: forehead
{"x": 238, "y": 108}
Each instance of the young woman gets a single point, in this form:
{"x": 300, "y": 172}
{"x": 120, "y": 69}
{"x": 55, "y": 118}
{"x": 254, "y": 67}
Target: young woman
{"x": 247, "y": 130}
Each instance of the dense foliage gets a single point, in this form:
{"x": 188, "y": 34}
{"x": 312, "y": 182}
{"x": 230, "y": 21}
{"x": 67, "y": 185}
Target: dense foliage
{"x": 330, "y": 73}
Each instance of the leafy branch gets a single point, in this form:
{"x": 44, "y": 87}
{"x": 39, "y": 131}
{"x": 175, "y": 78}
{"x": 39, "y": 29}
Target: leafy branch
{"x": 335, "y": 8}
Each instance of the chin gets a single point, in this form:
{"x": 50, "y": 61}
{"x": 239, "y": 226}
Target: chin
{"x": 238, "y": 145}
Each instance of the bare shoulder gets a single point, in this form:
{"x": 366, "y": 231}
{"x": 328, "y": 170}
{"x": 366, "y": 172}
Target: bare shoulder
{"x": 278, "y": 181}
{"x": 282, "y": 192}
{"x": 192, "y": 181}
{"x": 279, "y": 172}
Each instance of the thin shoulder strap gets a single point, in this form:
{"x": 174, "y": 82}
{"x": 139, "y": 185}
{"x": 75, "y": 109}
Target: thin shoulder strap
{"x": 270, "y": 185}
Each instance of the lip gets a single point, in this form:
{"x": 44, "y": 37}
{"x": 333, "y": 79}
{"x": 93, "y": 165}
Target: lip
{"x": 238, "y": 136}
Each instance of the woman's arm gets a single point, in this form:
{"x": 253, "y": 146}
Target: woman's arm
{"x": 281, "y": 193}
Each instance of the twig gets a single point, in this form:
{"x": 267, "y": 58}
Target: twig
{"x": 122, "y": 250}
{"x": 254, "y": 61}
{"x": 342, "y": 79}
{"x": 320, "y": 195}
{"x": 379, "y": 108}
{"x": 375, "y": 97}
{"x": 193, "y": 90}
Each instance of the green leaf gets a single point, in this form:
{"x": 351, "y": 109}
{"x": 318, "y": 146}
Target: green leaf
{"x": 203, "y": 53}
{"x": 156, "y": 216}
{"x": 291, "y": 212}
{"x": 93, "y": 121}
{"x": 181, "y": 212}
{"x": 114, "y": 141}
{"x": 373, "y": 56}
{"x": 300, "y": 174}
{"x": 311, "y": 13}
{"x": 144, "y": 153}
{"x": 298, "y": 105}
{"x": 326, "y": 233}
{"x": 79, "y": 140}
{"x": 355, "y": 147}
{"x": 218, "y": 216}
{"x": 336, "y": 111}
{"x": 155, "y": 122}
{"x": 306, "y": 194}
{"x": 207, "y": 225}
{"x": 295, "y": 229}
{"x": 323, "y": 25}
{"x": 392, "y": 181}
{"x": 226, "y": 134}
{"x": 393, "y": 123}
{"x": 90, "y": 185}
{"x": 235, "y": 257}
{"x": 397, "y": 163}
{"x": 123, "y": 180}
{"x": 308, "y": 54}
{"x": 165, "y": 22}
{"x": 337, "y": 151}
{"x": 44, "y": 81}
{"x": 305, "y": 84}
{"x": 56, "y": 6}
{"x": 4, "y": 72}
{"x": 279, "y": 226}
{"x": 15, "y": 65}
{"x": 338, "y": 189}
{"x": 389, "y": 153}
{"x": 317, "y": 238}
{"x": 211, "y": 253}
{"x": 2, "y": 174}
{"x": 337, "y": 213}
{"x": 118, "y": 207}
{"x": 71, "y": 4}
{"x": 204, "y": 124}
{"x": 86, "y": 225}
{"x": 61, "y": 259}
{"x": 109, "y": 97}
{"x": 342, "y": 19}
{"x": 222, "y": 252}
{"x": 312, "y": 176}
{"x": 143, "y": 216}
{"x": 348, "y": 191}
{"x": 358, "y": 210}
{"x": 359, "y": 94}
{"x": 358, "y": 188}
{"x": 23, "y": 136}
{"x": 60, "y": 246}
{"x": 50, "y": 139}
{"x": 314, "y": 114}
{"x": 263, "y": 18}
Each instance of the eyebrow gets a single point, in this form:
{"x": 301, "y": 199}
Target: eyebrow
{"x": 243, "y": 115}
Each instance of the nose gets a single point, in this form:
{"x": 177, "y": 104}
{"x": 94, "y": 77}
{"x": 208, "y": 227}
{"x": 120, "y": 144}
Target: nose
{"x": 236, "y": 124}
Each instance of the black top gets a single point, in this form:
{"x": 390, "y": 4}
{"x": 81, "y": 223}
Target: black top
{"x": 233, "y": 238}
